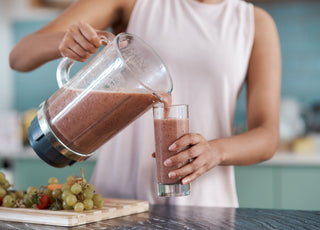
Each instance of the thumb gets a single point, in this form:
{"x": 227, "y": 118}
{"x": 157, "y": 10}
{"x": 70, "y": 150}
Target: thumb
{"x": 106, "y": 36}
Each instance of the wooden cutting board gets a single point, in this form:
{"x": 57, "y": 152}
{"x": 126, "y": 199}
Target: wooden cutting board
{"x": 112, "y": 208}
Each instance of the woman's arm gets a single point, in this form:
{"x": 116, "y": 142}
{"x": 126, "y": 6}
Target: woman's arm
{"x": 44, "y": 45}
{"x": 263, "y": 99}
{"x": 259, "y": 143}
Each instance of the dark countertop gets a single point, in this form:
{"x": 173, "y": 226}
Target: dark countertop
{"x": 174, "y": 217}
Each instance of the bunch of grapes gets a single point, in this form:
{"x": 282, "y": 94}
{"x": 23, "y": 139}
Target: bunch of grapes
{"x": 75, "y": 194}
{"x": 8, "y": 198}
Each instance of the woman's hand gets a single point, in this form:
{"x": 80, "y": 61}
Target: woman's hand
{"x": 81, "y": 41}
{"x": 202, "y": 157}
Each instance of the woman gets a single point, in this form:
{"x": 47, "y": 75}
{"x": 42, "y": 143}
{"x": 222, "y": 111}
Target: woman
{"x": 211, "y": 48}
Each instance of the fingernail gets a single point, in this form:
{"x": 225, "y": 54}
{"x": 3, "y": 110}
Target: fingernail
{"x": 172, "y": 174}
{"x": 172, "y": 147}
{"x": 185, "y": 181}
{"x": 167, "y": 162}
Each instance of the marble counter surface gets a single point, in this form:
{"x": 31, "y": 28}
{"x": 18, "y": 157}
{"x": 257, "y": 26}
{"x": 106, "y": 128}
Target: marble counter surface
{"x": 174, "y": 217}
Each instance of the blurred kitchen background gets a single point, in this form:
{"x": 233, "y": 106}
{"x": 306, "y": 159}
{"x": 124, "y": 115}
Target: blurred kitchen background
{"x": 288, "y": 181}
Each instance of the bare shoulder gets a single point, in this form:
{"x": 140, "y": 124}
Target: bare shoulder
{"x": 264, "y": 23}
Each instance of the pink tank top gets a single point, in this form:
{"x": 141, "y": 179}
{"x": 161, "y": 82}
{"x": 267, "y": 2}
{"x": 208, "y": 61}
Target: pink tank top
{"x": 206, "y": 48}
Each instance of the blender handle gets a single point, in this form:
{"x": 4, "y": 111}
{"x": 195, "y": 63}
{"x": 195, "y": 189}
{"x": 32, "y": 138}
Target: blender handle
{"x": 65, "y": 64}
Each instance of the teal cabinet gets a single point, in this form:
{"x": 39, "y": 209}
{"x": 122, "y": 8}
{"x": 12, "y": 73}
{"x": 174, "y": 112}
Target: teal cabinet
{"x": 255, "y": 186}
{"x": 300, "y": 188}
{"x": 278, "y": 186}
{"x": 35, "y": 172}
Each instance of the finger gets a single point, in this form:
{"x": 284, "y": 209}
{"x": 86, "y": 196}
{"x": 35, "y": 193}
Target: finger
{"x": 184, "y": 156}
{"x": 74, "y": 34}
{"x": 67, "y": 44}
{"x": 76, "y": 48}
{"x": 85, "y": 44}
{"x": 72, "y": 55}
{"x": 186, "y": 140}
{"x": 123, "y": 44}
{"x": 90, "y": 34}
{"x": 187, "y": 169}
{"x": 106, "y": 34}
{"x": 193, "y": 176}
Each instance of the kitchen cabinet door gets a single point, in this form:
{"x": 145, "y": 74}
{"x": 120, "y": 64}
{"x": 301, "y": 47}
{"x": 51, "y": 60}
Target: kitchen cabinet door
{"x": 300, "y": 188}
{"x": 255, "y": 186}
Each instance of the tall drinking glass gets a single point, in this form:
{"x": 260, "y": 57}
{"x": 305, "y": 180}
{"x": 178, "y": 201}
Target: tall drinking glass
{"x": 170, "y": 123}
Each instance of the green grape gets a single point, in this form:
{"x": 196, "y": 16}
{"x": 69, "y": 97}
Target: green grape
{"x": 71, "y": 180}
{"x": 5, "y": 184}
{"x": 56, "y": 193}
{"x": 99, "y": 204}
{"x": 65, "y": 187}
{"x": 3, "y": 192}
{"x": 71, "y": 200}
{"x": 65, "y": 194}
{"x": 19, "y": 194}
{"x": 31, "y": 190}
{"x": 27, "y": 200}
{"x": 48, "y": 192}
{"x": 13, "y": 195}
{"x": 87, "y": 194}
{"x": 97, "y": 198}
{"x": 2, "y": 176}
{"x": 78, "y": 207}
{"x": 9, "y": 201}
{"x": 88, "y": 204}
{"x": 66, "y": 206}
{"x": 2, "y": 181}
{"x": 90, "y": 187}
{"x": 53, "y": 180}
{"x": 76, "y": 188}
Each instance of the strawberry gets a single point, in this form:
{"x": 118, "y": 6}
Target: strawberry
{"x": 41, "y": 200}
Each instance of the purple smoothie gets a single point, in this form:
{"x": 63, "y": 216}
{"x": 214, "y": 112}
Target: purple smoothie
{"x": 84, "y": 120}
{"x": 167, "y": 131}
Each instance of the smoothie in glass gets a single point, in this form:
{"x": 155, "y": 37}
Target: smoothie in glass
{"x": 170, "y": 123}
